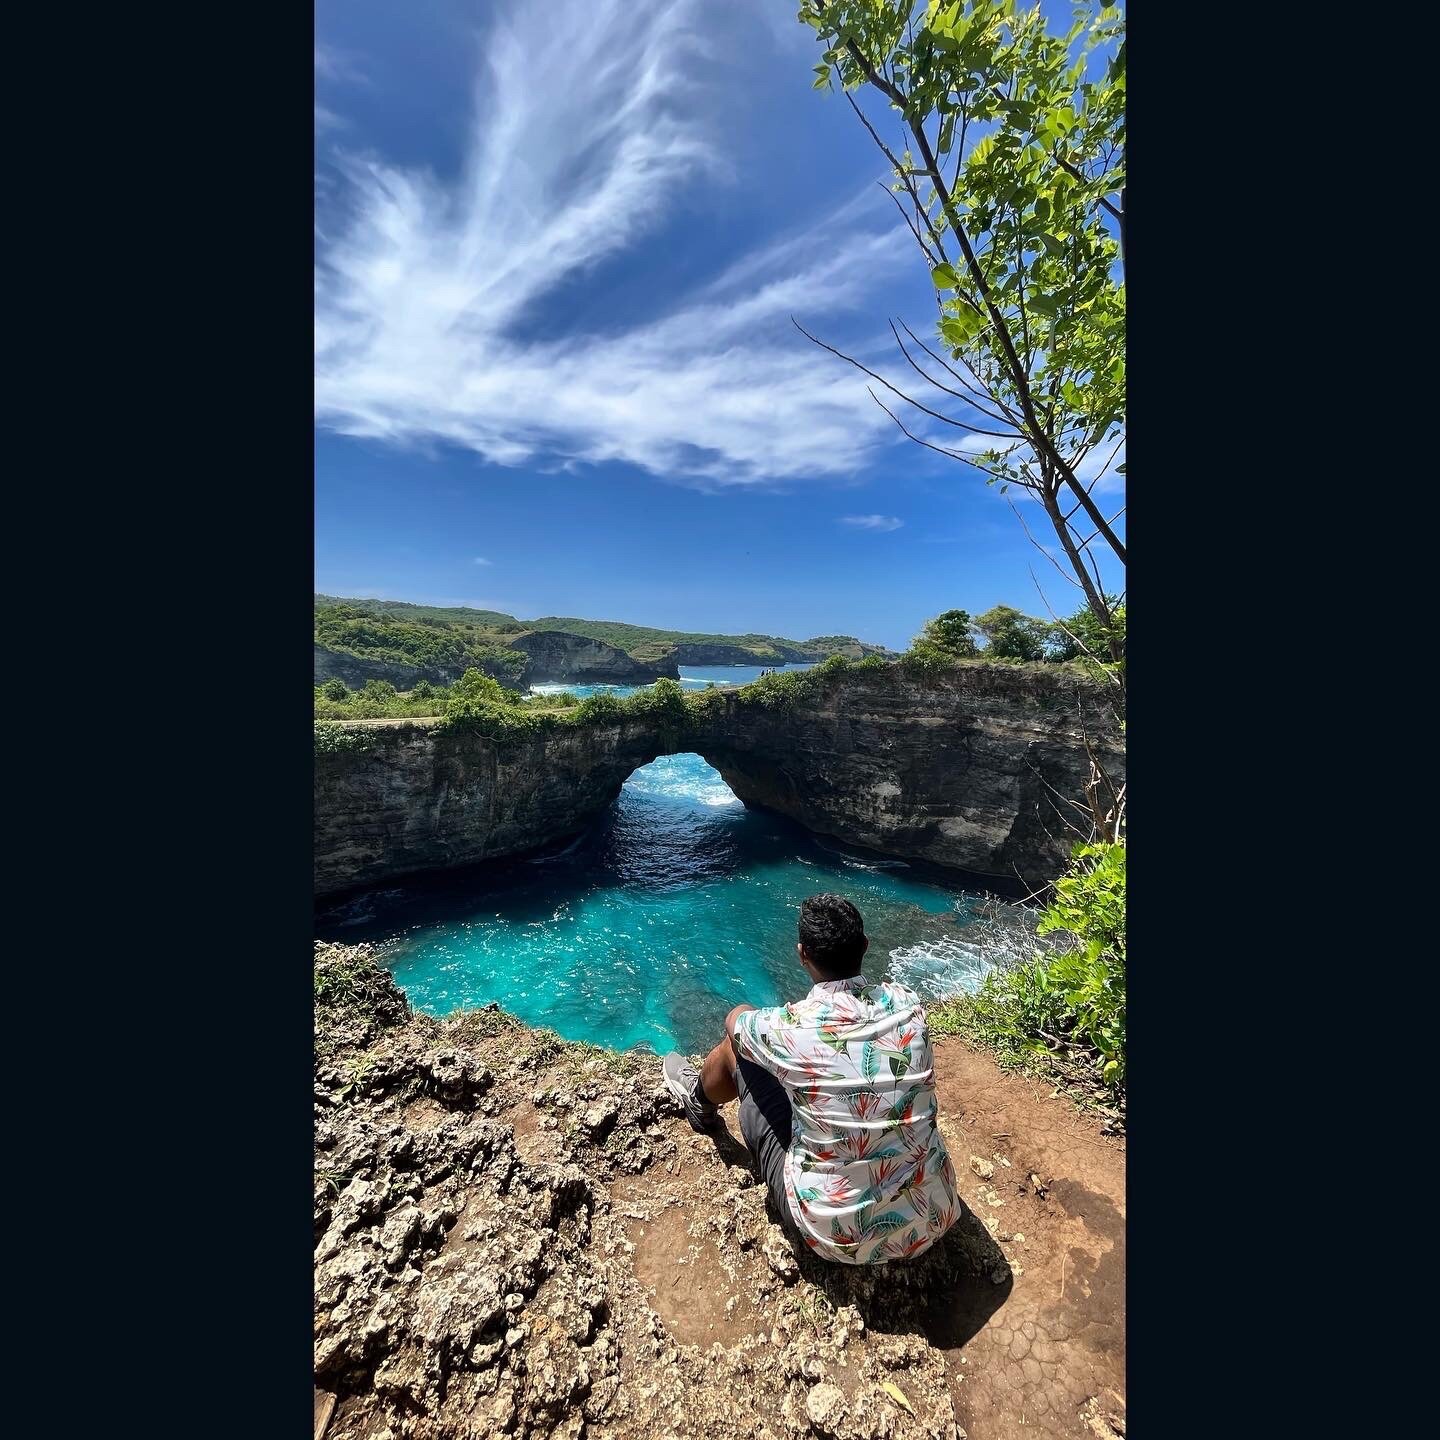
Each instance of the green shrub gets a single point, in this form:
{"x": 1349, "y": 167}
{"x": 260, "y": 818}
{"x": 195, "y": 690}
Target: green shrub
{"x": 335, "y": 690}
{"x": 603, "y": 705}
{"x": 1064, "y": 1010}
{"x": 663, "y": 701}
{"x": 333, "y": 739}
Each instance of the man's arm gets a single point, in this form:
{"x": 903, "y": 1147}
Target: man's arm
{"x": 755, "y": 1035}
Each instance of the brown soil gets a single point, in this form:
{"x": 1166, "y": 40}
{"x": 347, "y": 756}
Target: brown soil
{"x": 1059, "y": 1339}
{"x": 517, "y": 1237}
{"x": 1026, "y": 1355}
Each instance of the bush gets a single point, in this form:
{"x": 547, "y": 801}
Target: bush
{"x": 949, "y": 633}
{"x": 333, "y": 739}
{"x": 1065, "y": 1010}
{"x": 335, "y": 690}
{"x": 1088, "y": 640}
{"x": 603, "y": 705}
{"x": 663, "y": 701}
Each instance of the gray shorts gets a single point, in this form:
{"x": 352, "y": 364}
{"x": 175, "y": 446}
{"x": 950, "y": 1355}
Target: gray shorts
{"x": 766, "y": 1118}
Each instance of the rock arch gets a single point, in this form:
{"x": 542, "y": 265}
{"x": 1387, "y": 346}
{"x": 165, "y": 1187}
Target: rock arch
{"x": 977, "y": 769}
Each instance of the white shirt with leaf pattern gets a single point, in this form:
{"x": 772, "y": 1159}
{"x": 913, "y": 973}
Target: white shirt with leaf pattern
{"x": 867, "y": 1172}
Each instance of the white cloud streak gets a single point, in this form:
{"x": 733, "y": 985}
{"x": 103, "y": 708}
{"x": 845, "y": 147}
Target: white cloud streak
{"x": 872, "y": 522}
{"x": 586, "y": 132}
{"x": 481, "y": 560}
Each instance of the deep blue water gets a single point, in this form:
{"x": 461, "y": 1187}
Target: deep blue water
{"x": 677, "y": 905}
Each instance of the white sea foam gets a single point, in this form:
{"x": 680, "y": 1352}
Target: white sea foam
{"x": 935, "y": 969}
{"x": 682, "y": 777}
{"x": 998, "y": 935}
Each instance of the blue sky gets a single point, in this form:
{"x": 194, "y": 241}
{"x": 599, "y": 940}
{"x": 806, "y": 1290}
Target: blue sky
{"x": 557, "y": 251}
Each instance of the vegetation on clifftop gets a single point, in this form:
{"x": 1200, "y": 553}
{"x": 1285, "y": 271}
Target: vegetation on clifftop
{"x": 1062, "y": 1013}
{"x": 451, "y": 637}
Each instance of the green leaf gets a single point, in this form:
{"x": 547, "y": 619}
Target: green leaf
{"x": 899, "y": 1064}
{"x": 945, "y": 277}
{"x": 960, "y": 329}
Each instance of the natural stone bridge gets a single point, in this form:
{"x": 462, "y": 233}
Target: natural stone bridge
{"x": 978, "y": 769}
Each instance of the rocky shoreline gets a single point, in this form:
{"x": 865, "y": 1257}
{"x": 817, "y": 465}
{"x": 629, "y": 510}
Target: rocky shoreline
{"x": 464, "y": 1286}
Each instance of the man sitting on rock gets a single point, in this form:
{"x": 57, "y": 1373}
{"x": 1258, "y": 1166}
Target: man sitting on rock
{"x": 837, "y": 1101}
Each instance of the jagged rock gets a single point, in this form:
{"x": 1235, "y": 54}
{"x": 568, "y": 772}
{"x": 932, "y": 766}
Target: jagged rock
{"x": 779, "y": 1255}
{"x": 826, "y": 1409}
{"x": 464, "y": 1292}
{"x": 454, "y": 1076}
{"x": 598, "y": 1119}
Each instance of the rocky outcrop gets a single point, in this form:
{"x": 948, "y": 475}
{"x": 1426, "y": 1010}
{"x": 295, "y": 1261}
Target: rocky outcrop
{"x": 416, "y": 797}
{"x": 705, "y": 652}
{"x": 556, "y": 656}
{"x": 977, "y": 768}
{"x": 356, "y": 670}
{"x": 480, "y": 1189}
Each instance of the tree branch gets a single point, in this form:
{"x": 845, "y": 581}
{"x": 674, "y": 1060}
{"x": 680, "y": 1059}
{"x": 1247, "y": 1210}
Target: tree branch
{"x": 934, "y": 414}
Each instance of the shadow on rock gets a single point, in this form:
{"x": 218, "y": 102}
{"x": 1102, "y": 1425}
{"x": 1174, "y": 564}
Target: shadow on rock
{"x": 947, "y": 1294}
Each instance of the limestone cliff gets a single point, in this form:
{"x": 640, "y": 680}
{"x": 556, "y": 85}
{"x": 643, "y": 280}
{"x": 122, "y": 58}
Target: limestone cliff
{"x": 558, "y": 656}
{"x": 714, "y": 652}
{"x": 710, "y": 652}
{"x": 419, "y": 798}
{"x": 976, "y": 769}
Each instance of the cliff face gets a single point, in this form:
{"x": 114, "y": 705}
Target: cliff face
{"x": 704, "y": 652}
{"x": 557, "y": 656}
{"x": 969, "y": 770}
{"x": 418, "y": 798}
{"x": 964, "y": 769}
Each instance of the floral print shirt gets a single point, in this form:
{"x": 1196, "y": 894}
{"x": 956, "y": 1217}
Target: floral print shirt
{"x": 868, "y": 1175}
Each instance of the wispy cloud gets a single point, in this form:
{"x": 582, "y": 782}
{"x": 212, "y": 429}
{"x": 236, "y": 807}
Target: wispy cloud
{"x": 334, "y": 64}
{"x": 872, "y": 522}
{"x": 481, "y": 560}
{"x": 586, "y": 130}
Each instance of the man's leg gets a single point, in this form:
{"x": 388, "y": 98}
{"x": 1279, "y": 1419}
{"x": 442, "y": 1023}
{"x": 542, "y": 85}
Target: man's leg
{"x": 700, "y": 1091}
{"x": 717, "y": 1074}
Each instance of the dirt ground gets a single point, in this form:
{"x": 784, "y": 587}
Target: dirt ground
{"x": 519, "y": 1238}
{"x": 1040, "y": 1354}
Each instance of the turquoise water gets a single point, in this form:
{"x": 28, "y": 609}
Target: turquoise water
{"x": 677, "y": 905}
{"x": 692, "y": 677}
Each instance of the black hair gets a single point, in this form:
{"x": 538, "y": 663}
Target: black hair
{"x": 833, "y": 935}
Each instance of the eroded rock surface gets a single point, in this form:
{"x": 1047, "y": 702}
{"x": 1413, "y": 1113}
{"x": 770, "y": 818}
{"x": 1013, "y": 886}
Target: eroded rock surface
{"x": 515, "y": 1236}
